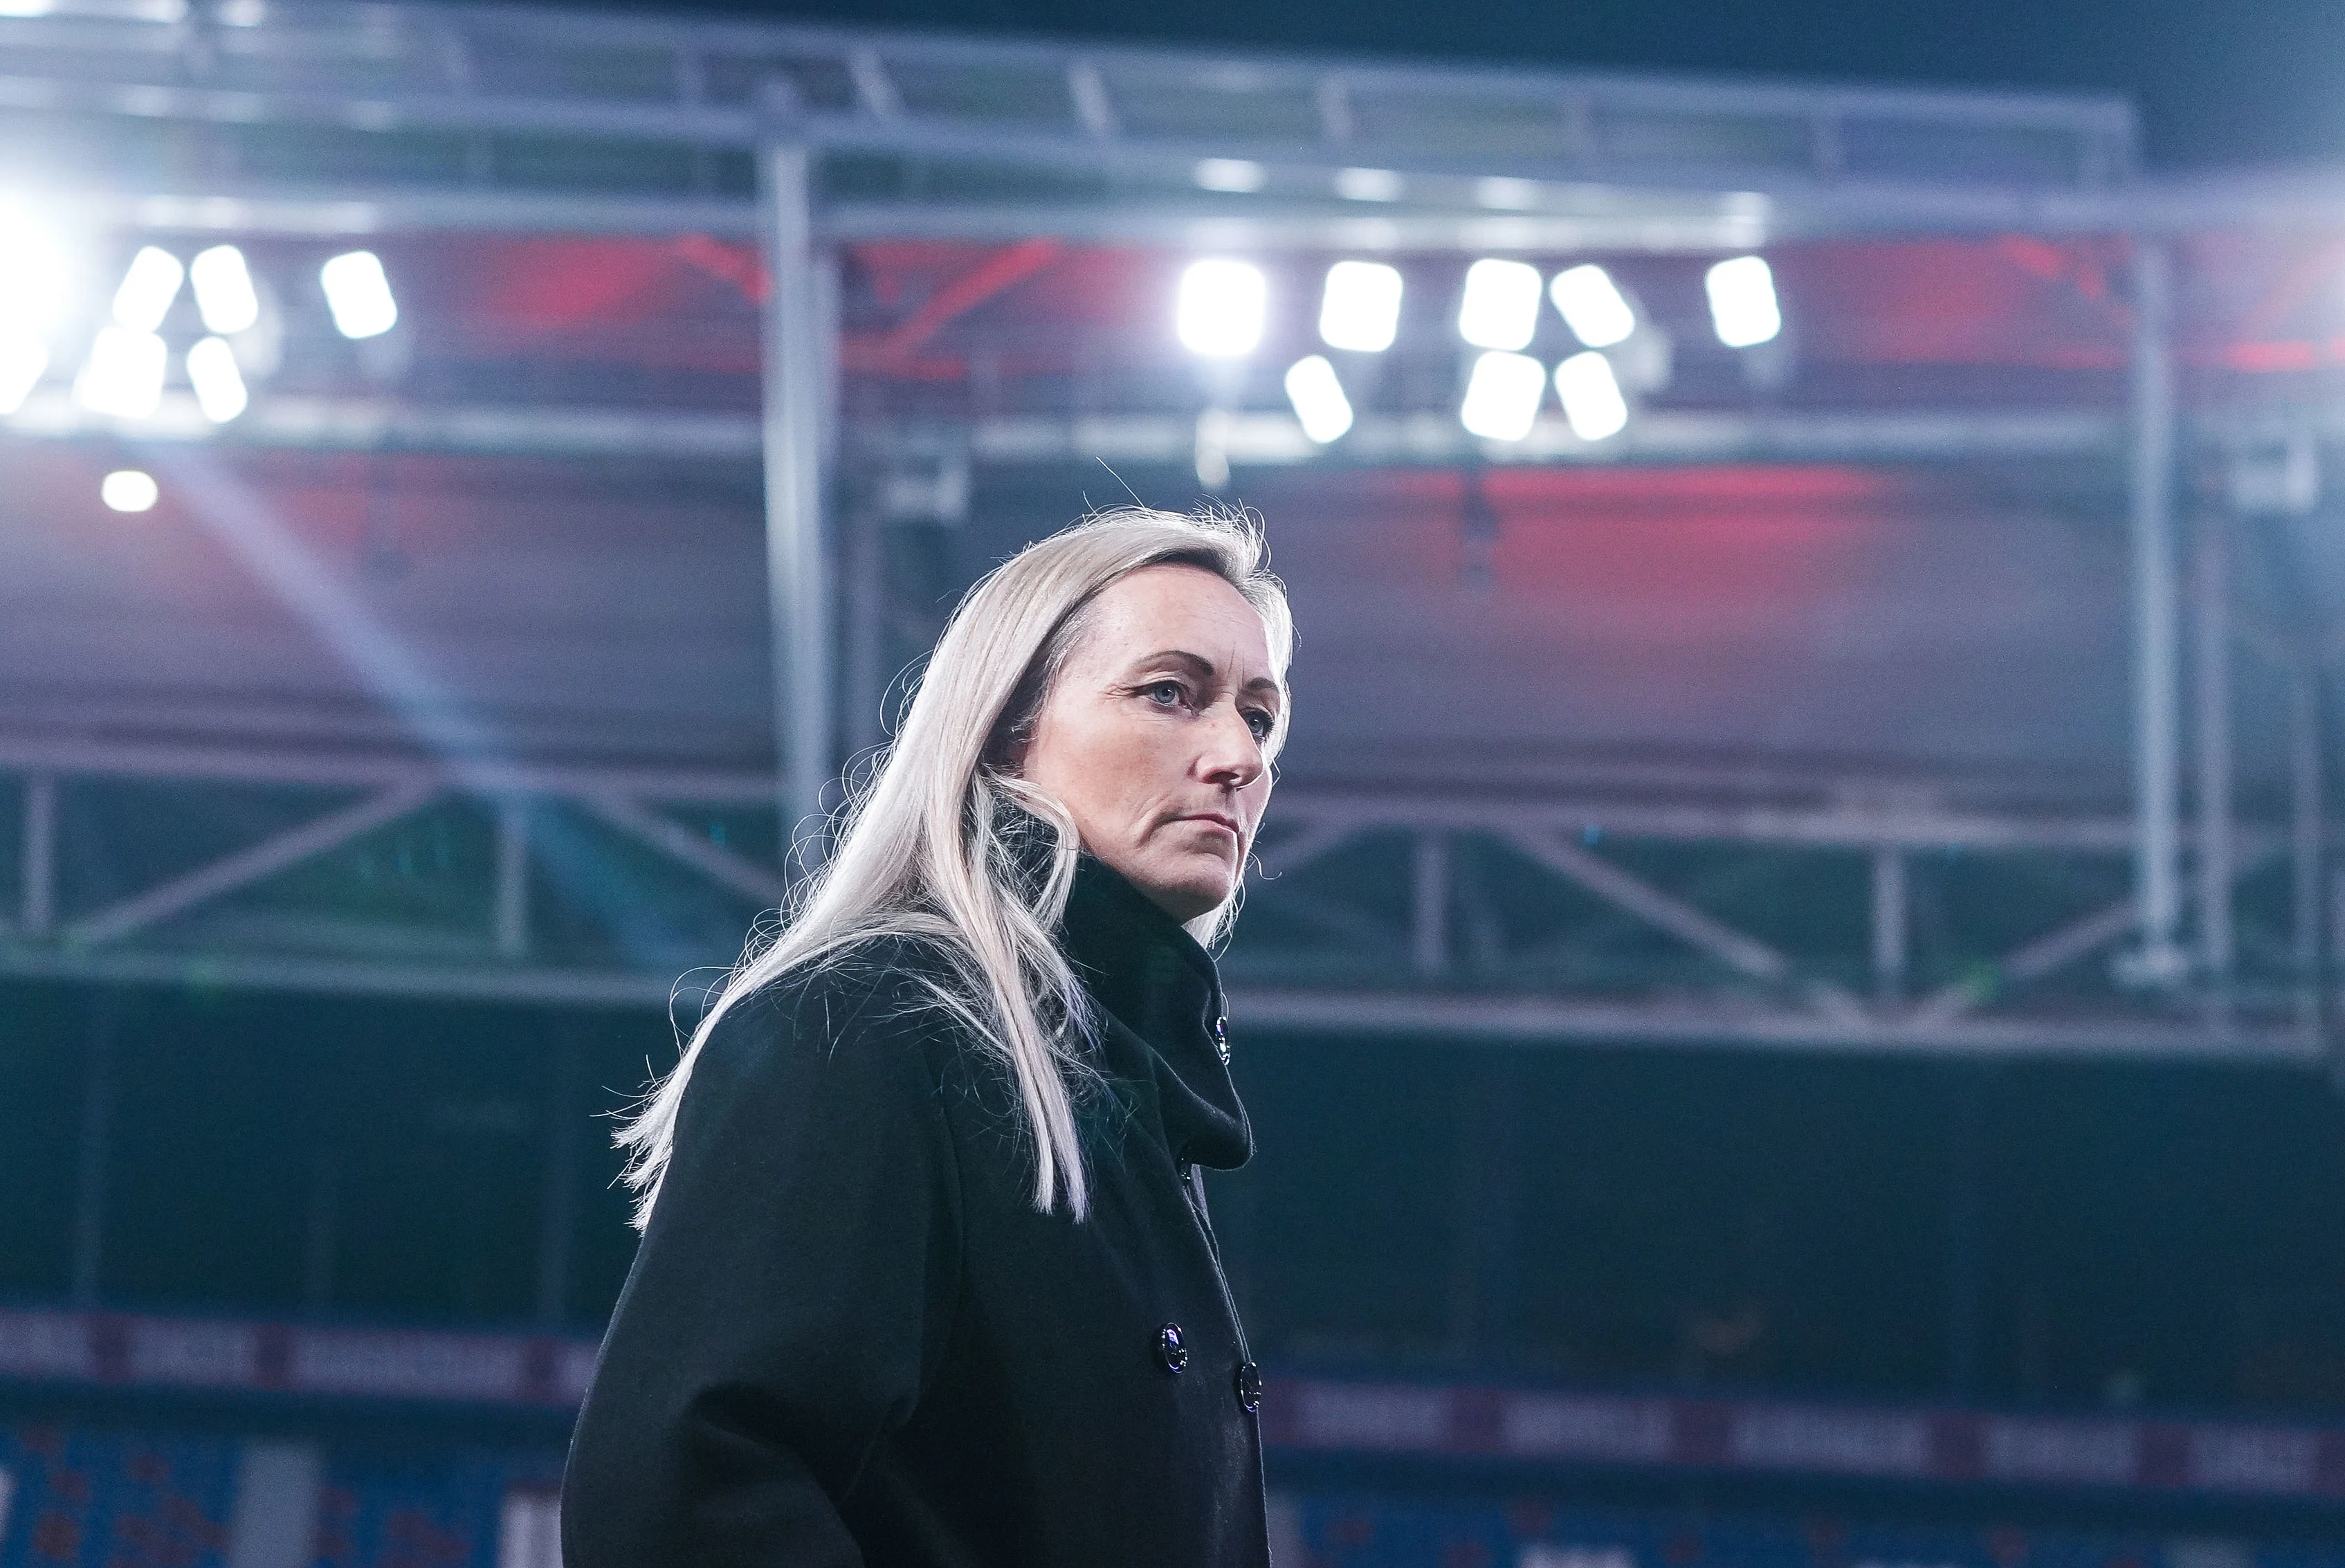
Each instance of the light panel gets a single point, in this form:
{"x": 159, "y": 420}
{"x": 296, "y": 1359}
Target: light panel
{"x": 1360, "y": 306}
{"x": 1592, "y": 306}
{"x": 147, "y": 288}
{"x": 359, "y": 294}
{"x": 1503, "y": 396}
{"x": 224, "y": 291}
{"x": 129, "y": 490}
{"x": 1317, "y": 395}
{"x": 1742, "y": 304}
{"x": 1239, "y": 175}
{"x": 1223, "y": 306}
{"x": 219, "y": 384}
{"x": 1369, "y": 184}
{"x": 1500, "y": 309}
{"x": 34, "y": 287}
{"x": 1592, "y": 403}
{"x": 124, "y": 373}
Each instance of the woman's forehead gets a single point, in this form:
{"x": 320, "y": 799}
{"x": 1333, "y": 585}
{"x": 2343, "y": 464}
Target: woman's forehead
{"x": 1182, "y": 608}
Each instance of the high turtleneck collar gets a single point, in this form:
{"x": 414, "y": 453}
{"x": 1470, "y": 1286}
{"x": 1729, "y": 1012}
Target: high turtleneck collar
{"x": 1150, "y": 975}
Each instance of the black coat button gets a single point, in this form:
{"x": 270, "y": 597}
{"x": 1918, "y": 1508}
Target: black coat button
{"x": 1250, "y": 1385}
{"x": 1171, "y": 1348}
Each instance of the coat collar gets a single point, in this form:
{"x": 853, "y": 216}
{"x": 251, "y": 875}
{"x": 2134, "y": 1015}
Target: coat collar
{"x": 1150, "y": 975}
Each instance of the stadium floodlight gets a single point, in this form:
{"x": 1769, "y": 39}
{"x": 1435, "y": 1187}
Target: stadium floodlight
{"x": 1592, "y": 403}
{"x": 1742, "y": 304}
{"x": 1503, "y": 396}
{"x": 1223, "y": 306}
{"x": 1238, "y": 176}
{"x": 1592, "y": 306}
{"x": 219, "y": 385}
{"x": 124, "y": 373}
{"x": 23, "y": 359}
{"x": 359, "y": 294}
{"x": 1317, "y": 395}
{"x": 1500, "y": 309}
{"x": 129, "y": 490}
{"x": 26, "y": 7}
{"x": 224, "y": 291}
{"x": 147, "y": 288}
{"x": 33, "y": 274}
{"x": 1368, "y": 184}
{"x": 1360, "y": 309}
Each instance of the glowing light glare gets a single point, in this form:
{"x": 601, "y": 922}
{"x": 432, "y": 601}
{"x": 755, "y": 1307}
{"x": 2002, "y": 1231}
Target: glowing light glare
{"x": 1592, "y": 306}
{"x": 224, "y": 291}
{"x": 219, "y": 385}
{"x": 1592, "y": 403}
{"x": 1503, "y": 397}
{"x": 33, "y": 274}
{"x": 1501, "y": 307}
{"x": 1239, "y": 175}
{"x": 1369, "y": 185}
{"x": 1319, "y": 398}
{"x": 359, "y": 294}
{"x": 147, "y": 288}
{"x": 123, "y": 375}
{"x": 23, "y": 359}
{"x": 1223, "y": 306}
{"x": 129, "y": 490}
{"x": 1360, "y": 310}
{"x": 1742, "y": 304}
{"x": 26, "y": 7}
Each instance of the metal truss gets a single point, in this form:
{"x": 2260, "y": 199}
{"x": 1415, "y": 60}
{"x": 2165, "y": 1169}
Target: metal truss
{"x": 1696, "y": 909}
{"x": 469, "y": 98}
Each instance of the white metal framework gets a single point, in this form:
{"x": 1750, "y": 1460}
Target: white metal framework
{"x": 278, "y": 115}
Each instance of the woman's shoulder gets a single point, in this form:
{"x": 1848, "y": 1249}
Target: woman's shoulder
{"x": 872, "y": 1004}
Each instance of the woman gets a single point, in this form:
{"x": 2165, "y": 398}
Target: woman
{"x": 926, "y": 1274}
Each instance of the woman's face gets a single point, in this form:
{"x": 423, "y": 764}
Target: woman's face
{"x": 1153, "y": 734}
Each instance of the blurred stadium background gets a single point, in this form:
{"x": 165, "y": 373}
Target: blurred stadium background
{"x": 1792, "y": 1015}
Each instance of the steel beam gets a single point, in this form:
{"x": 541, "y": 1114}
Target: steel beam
{"x": 2159, "y": 960}
{"x": 2211, "y": 587}
{"x": 800, "y": 358}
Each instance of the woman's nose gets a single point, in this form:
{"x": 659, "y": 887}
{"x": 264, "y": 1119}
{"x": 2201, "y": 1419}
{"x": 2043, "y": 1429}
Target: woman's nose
{"x": 1234, "y": 754}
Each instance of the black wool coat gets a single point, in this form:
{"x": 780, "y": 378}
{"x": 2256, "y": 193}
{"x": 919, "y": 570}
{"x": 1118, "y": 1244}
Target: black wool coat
{"x": 849, "y": 1337}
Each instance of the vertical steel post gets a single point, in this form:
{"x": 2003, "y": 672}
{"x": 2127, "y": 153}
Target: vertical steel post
{"x": 513, "y": 878}
{"x": 96, "y": 1152}
{"x": 2304, "y": 836}
{"x": 37, "y": 867}
{"x": 1429, "y": 890}
{"x": 2156, "y": 695}
{"x": 2210, "y": 583}
{"x": 800, "y": 362}
{"x": 558, "y": 1211}
{"x": 1889, "y": 939}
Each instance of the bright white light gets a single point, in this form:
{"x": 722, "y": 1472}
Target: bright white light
{"x": 1233, "y": 174}
{"x": 1361, "y": 307}
{"x": 224, "y": 289}
{"x": 1592, "y": 403}
{"x": 1506, "y": 194}
{"x": 1501, "y": 307}
{"x": 219, "y": 385}
{"x": 124, "y": 373}
{"x": 148, "y": 290}
{"x": 359, "y": 294}
{"x": 1742, "y": 304}
{"x": 1223, "y": 306}
{"x": 33, "y": 274}
{"x": 1592, "y": 306}
{"x": 1319, "y": 399}
{"x": 1367, "y": 185}
{"x": 1503, "y": 397}
{"x": 242, "y": 13}
{"x": 24, "y": 358}
{"x": 129, "y": 490}
{"x": 26, "y": 7}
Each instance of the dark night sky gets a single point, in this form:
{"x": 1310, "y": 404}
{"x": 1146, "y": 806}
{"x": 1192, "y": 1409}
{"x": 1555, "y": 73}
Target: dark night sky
{"x": 2218, "y": 83}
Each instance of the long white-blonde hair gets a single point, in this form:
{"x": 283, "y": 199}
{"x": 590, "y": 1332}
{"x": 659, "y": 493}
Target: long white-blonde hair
{"x": 928, "y": 846}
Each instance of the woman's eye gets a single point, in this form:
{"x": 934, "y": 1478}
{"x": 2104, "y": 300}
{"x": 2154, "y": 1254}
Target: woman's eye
{"x": 1261, "y": 723}
{"x": 1165, "y": 693}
